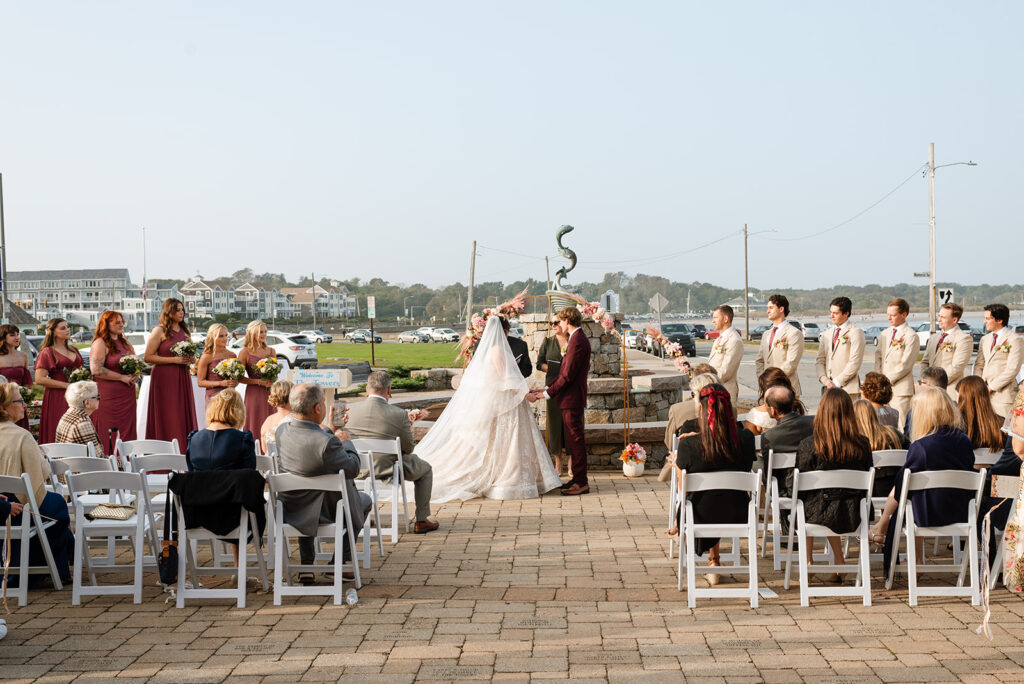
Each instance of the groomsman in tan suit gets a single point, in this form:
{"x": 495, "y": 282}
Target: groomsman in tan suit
{"x": 951, "y": 349}
{"x": 895, "y": 356}
{"x": 1000, "y": 354}
{"x": 841, "y": 352}
{"x": 783, "y": 344}
{"x": 727, "y": 350}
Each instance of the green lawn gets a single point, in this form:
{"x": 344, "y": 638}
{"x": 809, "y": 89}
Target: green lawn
{"x": 429, "y": 355}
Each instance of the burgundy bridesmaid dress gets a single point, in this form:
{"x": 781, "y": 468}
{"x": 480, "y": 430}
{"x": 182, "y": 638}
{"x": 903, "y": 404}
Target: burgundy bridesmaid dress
{"x": 171, "y": 413}
{"x": 257, "y": 397}
{"x": 22, "y": 376}
{"x": 211, "y": 392}
{"x": 54, "y": 403}
{"x": 117, "y": 401}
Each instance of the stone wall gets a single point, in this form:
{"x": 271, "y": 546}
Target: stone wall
{"x": 605, "y": 349}
{"x": 438, "y": 378}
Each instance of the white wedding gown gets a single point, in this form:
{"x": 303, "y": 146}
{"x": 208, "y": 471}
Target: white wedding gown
{"x": 486, "y": 442}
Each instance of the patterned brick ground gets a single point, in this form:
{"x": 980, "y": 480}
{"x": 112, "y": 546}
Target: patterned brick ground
{"x": 556, "y": 588}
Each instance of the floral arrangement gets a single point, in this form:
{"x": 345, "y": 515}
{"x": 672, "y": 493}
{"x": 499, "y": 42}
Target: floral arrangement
{"x": 1004, "y": 347}
{"x": 900, "y": 343}
{"x": 947, "y": 346}
{"x": 673, "y": 349}
{"x": 844, "y": 338}
{"x": 26, "y": 393}
{"x": 268, "y": 368}
{"x": 193, "y": 368}
{"x": 132, "y": 365}
{"x": 418, "y": 414}
{"x": 633, "y": 453}
{"x": 477, "y": 323}
{"x": 78, "y": 374}
{"x": 184, "y": 348}
{"x": 596, "y": 312}
{"x": 782, "y": 343}
{"x": 230, "y": 369}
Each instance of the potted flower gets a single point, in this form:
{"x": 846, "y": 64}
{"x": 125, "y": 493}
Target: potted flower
{"x": 633, "y": 459}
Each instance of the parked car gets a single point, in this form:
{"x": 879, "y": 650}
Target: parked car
{"x": 812, "y": 331}
{"x": 298, "y": 350}
{"x": 427, "y": 330}
{"x": 758, "y": 332}
{"x": 30, "y": 345}
{"x": 82, "y": 336}
{"x": 923, "y": 334}
{"x": 629, "y": 337}
{"x": 444, "y": 335}
{"x": 515, "y": 331}
{"x": 680, "y": 334}
{"x": 199, "y": 338}
{"x": 872, "y": 334}
{"x": 412, "y": 337}
{"x": 318, "y": 335}
{"x": 138, "y": 341}
{"x": 700, "y": 331}
{"x": 238, "y": 332}
{"x": 363, "y": 335}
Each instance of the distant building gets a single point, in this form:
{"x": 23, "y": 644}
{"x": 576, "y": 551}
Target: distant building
{"x": 610, "y": 301}
{"x": 757, "y": 302}
{"x": 333, "y": 303}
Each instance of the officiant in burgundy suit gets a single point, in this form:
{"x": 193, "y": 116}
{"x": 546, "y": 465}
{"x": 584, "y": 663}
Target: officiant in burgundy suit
{"x": 570, "y": 391}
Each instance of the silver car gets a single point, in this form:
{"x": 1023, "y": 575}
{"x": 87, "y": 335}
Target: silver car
{"x": 412, "y": 337}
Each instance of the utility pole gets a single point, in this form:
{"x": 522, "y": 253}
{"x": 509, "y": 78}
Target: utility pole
{"x": 547, "y": 270}
{"x": 145, "y": 292}
{"x": 688, "y": 291}
{"x": 312, "y": 276}
{"x": 746, "y": 285}
{"x": 469, "y": 295}
{"x": 3, "y": 258}
{"x": 931, "y": 238}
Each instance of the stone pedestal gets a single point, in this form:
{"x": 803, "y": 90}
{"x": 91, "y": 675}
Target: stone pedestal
{"x": 605, "y": 349}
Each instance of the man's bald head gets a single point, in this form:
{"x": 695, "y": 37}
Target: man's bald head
{"x": 781, "y": 399}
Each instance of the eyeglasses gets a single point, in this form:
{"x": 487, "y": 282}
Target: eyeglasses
{"x": 18, "y": 401}
{"x": 97, "y": 397}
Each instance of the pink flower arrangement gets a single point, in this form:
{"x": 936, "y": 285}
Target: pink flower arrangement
{"x": 477, "y": 323}
{"x": 682, "y": 365}
{"x": 608, "y": 323}
{"x": 633, "y": 453}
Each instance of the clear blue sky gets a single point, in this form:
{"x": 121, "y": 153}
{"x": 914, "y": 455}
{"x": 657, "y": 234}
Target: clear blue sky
{"x": 379, "y": 139}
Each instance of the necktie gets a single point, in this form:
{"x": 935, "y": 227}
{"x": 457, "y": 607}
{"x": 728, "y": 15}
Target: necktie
{"x": 771, "y": 338}
{"x": 942, "y": 338}
{"x": 994, "y": 336}
{"x": 835, "y": 339}
{"x": 892, "y": 340}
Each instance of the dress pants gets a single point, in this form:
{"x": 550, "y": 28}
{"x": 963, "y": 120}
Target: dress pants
{"x": 902, "y": 404}
{"x": 307, "y": 545}
{"x": 572, "y": 420}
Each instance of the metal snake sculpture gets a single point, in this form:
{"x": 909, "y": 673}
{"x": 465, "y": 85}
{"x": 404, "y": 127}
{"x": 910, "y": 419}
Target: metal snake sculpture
{"x": 567, "y": 253}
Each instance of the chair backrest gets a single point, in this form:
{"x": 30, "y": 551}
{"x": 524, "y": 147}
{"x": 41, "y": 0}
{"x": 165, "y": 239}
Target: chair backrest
{"x": 19, "y": 485}
{"x": 780, "y": 459}
{"x": 81, "y": 464}
{"x": 984, "y": 457}
{"x": 142, "y": 447}
{"x": 289, "y": 482}
{"x": 116, "y": 480}
{"x": 257, "y": 442}
{"x": 723, "y": 479}
{"x": 889, "y": 458}
{"x": 149, "y": 463}
{"x": 378, "y": 446}
{"x": 945, "y": 479}
{"x": 265, "y": 464}
{"x": 66, "y": 450}
{"x": 833, "y": 479}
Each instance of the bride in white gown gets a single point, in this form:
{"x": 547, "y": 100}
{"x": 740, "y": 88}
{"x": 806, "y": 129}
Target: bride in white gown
{"x": 486, "y": 442}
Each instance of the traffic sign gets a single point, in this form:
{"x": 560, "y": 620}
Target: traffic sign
{"x": 371, "y": 306}
{"x": 658, "y": 302}
{"x": 944, "y": 296}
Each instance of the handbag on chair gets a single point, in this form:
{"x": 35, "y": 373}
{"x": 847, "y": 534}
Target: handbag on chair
{"x": 167, "y": 563}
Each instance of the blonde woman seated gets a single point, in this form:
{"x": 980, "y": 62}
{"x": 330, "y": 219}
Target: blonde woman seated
{"x": 881, "y": 438}
{"x": 682, "y": 417}
{"x": 222, "y": 445}
{"x": 76, "y": 426}
{"x": 279, "y": 392}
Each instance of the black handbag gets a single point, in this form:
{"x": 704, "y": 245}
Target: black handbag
{"x": 167, "y": 563}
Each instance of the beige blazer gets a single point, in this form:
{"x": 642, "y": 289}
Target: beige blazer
{"x": 896, "y": 361}
{"x": 841, "y": 364}
{"x": 999, "y": 367}
{"x": 953, "y": 356}
{"x": 785, "y": 353}
{"x": 377, "y": 419}
{"x": 725, "y": 358}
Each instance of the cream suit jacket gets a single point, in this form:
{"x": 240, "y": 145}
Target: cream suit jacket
{"x": 999, "y": 367}
{"x": 953, "y": 356}
{"x": 841, "y": 365}
{"x": 725, "y": 358}
{"x": 785, "y": 353}
{"x": 896, "y": 362}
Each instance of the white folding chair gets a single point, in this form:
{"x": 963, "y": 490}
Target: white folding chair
{"x": 338, "y": 530}
{"x": 984, "y": 457}
{"x": 1011, "y": 486}
{"x": 31, "y": 527}
{"x": 60, "y": 467}
{"x": 806, "y": 532}
{"x": 774, "y": 504}
{"x": 906, "y": 525}
{"x": 187, "y": 559}
{"x": 673, "y": 496}
{"x": 67, "y": 449}
{"x": 886, "y": 458}
{"x": 134, "y": 528}
{"x": 142, "y": 447}
{"x": 691, "y": 530}
{"x": 379, "y": 490}
{"x": 145, "y": 465}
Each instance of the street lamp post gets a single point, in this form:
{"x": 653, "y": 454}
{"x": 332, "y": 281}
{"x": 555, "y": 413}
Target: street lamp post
{"x": 931, "y": 231}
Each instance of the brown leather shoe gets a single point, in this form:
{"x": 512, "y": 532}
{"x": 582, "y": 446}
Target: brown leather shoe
{"x": 576, "y": 490}
{"x": 424, "y": 526}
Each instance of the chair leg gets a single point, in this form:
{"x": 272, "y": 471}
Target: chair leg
{"x": 752, "y": 562}
{"x": 140, "y": 555}
{"x": 911, "y": 558}
{"x": 44, "y": 542}
{"x": 80, "y": 566}
{"x": 280, "y": 564}
{"x": 972, "y": 557}
{"x": 184, "y": 561}
{"x": 243, "y": 556}
{"x": 691, "y": 570}
{"x": 261, "y": 562}
{"x": 865, "y": 564}
{"x": 997, "y": 567}
{"x": 802, "y": 554}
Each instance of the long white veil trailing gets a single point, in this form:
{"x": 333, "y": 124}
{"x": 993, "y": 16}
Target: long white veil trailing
{"x": 485, "y": 442}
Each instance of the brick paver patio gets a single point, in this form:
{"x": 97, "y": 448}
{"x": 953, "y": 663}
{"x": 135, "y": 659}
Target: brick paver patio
{"x": 554, "y": 588}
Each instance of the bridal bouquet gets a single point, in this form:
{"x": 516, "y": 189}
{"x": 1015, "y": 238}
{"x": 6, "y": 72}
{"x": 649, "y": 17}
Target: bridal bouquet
{"x": 184, "y": 348}
{"x": 230, "y": 369}
{"x": 78, "y": 374}
{"x": 26, "y": 393}
{"x": 268, "y": 368}
{"x": 132, "y": 365}
{"x": 633, "y": 453}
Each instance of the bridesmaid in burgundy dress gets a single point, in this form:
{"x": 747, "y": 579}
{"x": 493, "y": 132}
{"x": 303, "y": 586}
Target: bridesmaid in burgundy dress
{"x": 257, "y": 392}
{"x": 56, "y": 358}
{"x": 14, "y": 362}
{"x": 117, "y": 410}
{"x": 172, "y": 412}
{"x": 214, "y": 351}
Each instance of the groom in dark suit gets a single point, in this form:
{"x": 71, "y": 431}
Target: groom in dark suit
{"x": 570, "y": 390}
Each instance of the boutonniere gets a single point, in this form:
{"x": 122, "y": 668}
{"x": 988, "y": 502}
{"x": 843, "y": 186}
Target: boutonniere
{"x": 844, "y": 338}
{"x": 783, "y": 343}
{"x": 947, "y": 346}
{"x": 1004, "y": 347}
{"x": 900, "y": 343}
{"x": 719, "y": 347}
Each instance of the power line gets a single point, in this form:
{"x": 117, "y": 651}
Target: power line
{"x": 664, "y": 257}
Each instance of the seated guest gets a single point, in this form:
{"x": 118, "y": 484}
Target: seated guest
{"x": 835, "y": 445}
{"x": 1008, "y": 464}
{"x": 758, "y": 418}
{"x": 375, "y": 418}
{"x": 932, "y": 376}
{"x": 682, "y": 416}
{"x": 877, "y": 389}
{"x": 938, "y": 443}
{"x": 222, "y": 444}
{"x": 306, "y": 447}
{"x": 790, "y": 429}
{"x": 20, "y": 454}
{"x": 76, "y": 426}
{"x": 278, "y": 399}
{"x": 718, "y": 445}
{"x": 880, "y": 438}
{"x": 983, "y": 426}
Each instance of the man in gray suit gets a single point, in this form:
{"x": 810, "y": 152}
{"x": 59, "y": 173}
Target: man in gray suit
{"x": 790, "y": 429}
{"x": 305, "y": 447}
{"x": 375, "y": 418}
